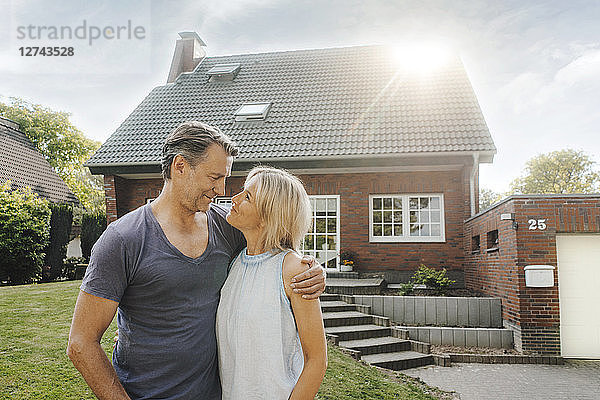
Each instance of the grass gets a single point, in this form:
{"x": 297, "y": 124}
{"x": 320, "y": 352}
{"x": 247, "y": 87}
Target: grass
{"x": 34, "y": 330}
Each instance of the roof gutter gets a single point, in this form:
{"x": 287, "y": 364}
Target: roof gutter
{"x": 489, "y": 153}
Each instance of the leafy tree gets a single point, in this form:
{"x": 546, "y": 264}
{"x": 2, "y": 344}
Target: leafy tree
{"x": 62, "y": 144}
{"x": 24, "y": 233}
{"x": 487, "y": 197}
{"x": 562, "y": 171}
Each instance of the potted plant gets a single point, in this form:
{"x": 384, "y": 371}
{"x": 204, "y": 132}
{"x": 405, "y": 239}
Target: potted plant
{"x": 348, "y": 260}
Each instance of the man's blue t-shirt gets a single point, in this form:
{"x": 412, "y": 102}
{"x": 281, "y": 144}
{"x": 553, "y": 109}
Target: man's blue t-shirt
{"x": 167, "y": 304}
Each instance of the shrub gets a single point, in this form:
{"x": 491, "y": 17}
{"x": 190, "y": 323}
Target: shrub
{"x": 433, "y": 279}
{"x": 24, "y": 234}
{"x": 92, "y": 226}
{"x": 61, "y": 221}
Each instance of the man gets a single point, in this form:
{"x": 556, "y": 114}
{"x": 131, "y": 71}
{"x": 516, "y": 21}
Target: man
{"x": 162, "y": 266}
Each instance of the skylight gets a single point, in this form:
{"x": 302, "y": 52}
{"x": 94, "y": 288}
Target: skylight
{"x": 252, "y": 111}
{"x": 223, "y": 71}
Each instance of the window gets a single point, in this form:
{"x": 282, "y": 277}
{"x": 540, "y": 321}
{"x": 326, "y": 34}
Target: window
{"x": 323, "y": 238}
{"x": 492, "y": 240}
{"x": 252, "y": 111}
{"x": 475, "y": 243}
{"x": 406, "y": 218}
{"x": 223, "y": 72}
{"x": 223, "y": 200}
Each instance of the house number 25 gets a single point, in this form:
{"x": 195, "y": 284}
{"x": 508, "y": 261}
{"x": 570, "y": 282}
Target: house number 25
{"x": 539, "y": 224}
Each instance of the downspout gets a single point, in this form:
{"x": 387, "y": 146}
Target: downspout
{"x": 472, "y": 181}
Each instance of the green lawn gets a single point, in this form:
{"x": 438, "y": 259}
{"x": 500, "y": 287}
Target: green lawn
{"x": 33, "y": 365}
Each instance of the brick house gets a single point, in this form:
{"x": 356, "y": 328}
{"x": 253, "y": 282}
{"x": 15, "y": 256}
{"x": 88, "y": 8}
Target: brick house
{"x": 389, "y": 156}
{"x": 556, "y": 237}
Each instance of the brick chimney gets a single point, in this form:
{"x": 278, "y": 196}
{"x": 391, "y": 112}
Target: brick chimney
{"x": 189, "y": 51}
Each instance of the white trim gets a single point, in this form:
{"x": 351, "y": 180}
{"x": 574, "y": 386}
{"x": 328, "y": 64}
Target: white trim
{"x": 406, "y": 238}
{"x": 223, "y": 200}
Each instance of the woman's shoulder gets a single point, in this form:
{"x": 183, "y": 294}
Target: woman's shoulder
{"x": 292, "y": 265}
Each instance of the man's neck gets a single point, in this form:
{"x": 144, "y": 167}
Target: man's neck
{"x": 168, "y": 207}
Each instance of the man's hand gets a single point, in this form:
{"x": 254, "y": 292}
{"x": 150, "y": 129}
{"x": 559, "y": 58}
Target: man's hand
{"x": 311, "y": 283}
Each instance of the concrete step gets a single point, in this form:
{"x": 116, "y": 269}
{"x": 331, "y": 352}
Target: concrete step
{"x": 346, "y": 318}
{"x": 356, "y": 332}
{"x": 329, "y": 297}
{"x": 343, "y": 275}
{"x": 338, "y": 306}
{"x": 355, "y": 286}
{"x": 386, "y": 344}
{"x": 399, "y": 360}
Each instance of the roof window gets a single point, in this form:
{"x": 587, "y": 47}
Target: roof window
{"x": 252, "y": 111}
{"x": 223, "y": 72}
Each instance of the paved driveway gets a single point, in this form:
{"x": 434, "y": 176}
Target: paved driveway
{"x": 575, "y": 380}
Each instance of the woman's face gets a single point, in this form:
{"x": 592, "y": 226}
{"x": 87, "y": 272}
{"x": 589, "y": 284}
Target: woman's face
{"x": 244, "y": 214}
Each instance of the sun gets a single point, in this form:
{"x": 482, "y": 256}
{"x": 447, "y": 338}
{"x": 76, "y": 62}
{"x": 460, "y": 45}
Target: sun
{"x": 421, "y": 58}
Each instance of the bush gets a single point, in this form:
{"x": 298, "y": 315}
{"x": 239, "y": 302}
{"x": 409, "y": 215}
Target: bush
{"x": 433, "y": 279}
{"x": 92, "y": 226}
{"x": 61, "y": 221}
{"x": 24, "y": 234}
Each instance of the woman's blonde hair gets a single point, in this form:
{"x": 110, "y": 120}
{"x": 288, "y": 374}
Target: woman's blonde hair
{"x": 282, "y": 205}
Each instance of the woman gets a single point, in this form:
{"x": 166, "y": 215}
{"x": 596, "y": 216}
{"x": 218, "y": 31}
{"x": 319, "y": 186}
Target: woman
{"x": 271, "y": 341}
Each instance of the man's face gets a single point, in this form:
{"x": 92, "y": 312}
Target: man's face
{"x": 201, "y": 183}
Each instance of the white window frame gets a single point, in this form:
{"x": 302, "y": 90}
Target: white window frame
{"x": 406, "y": 220}
{"x": 223, "y": 200}
{"x": 337, "y": 228}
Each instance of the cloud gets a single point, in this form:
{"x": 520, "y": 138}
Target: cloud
{"x": 582, "y": 70}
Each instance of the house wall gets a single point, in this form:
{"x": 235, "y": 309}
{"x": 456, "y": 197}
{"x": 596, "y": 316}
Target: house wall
{"x": 533, "y": 313}
{"x": 396, "y": 260}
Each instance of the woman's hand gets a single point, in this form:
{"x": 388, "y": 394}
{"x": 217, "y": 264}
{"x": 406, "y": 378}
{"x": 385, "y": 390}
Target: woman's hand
{"x": 310, "y": 283}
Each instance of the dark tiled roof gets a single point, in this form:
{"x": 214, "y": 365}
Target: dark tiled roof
{"x": 23, "y": 165}
{"x": 326, "y": 103}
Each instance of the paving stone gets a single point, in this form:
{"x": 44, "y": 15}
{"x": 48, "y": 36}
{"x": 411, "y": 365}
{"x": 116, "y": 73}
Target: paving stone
{"x": 473, "y": 312}
{"x": 441, "y": 316}
{"x": 463, "y": 312}
{"x": 452, "y": 310}
{"x": 398, "y": 310}
{"x": 419, "y": 311}
{"x": 576, "y": 379}
{"x": 430, "y": 311}
{"x": 470, "y": 337}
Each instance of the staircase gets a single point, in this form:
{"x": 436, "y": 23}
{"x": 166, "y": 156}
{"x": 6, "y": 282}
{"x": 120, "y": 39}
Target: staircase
{"x": 370, "y": 337}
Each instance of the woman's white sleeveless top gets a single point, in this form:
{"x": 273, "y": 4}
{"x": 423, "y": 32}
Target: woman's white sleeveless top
{"x": 260, "y": 356}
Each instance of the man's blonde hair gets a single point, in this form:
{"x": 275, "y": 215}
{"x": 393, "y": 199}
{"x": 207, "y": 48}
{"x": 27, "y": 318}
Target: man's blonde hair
{"x": 282, "y": 205}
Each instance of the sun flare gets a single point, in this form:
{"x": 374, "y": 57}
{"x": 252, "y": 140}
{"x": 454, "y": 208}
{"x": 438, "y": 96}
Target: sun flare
{"x": 421, "y": 58}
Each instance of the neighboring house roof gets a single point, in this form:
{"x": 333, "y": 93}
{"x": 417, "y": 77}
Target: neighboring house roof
{"x": 23, "y": 165}
{"x": 325, "y": 104}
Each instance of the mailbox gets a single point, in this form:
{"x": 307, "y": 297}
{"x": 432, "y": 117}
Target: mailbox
{"x": 539, "y": 276}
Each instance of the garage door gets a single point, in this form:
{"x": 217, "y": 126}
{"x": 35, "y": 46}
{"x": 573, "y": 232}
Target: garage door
{"x": 579, "y": 292}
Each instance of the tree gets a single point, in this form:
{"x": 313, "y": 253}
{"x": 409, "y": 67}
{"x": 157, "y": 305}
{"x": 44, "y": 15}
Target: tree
{"x": 61, "y": 144}
{"x": 61, "y": 221}
{"x": 562, "y": 171}
{"x": 487, "y": 198}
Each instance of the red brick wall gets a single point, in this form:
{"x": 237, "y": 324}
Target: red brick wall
{"x": 354, "y": 190}
{"x": 534, "y": 312}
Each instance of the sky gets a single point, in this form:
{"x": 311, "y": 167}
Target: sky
{"x": 534, "y": 65}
